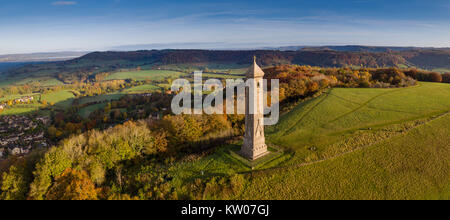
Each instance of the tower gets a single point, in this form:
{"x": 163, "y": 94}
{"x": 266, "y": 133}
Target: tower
{"x": 254, "y": 141}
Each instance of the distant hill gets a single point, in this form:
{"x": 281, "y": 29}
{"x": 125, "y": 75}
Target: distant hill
{"x": 39, "y": 57}
{"x": 331, "y": 57}
{"x": 357, "y": 48}
{"x": 92, "y": 63}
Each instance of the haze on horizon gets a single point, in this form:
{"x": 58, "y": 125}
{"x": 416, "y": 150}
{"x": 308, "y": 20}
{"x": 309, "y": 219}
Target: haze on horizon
{"x": 83, "y": 25}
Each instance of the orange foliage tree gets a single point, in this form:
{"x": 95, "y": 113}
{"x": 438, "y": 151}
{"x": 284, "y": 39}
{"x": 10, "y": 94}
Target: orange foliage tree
{"x": 73, "y": 185}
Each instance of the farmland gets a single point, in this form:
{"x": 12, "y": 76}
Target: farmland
{"x": 86, "y": 111}
{"x": 145, "y": 75}
{"x": 100, "y": 98}
{"x": 144, "y": 88}
{"x": 62, "y": 99}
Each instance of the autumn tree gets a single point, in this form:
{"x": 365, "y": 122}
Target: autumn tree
{"x": 14, "y": 184}
{"x": 73, "y": 185}
{"x": 446, "y": 77}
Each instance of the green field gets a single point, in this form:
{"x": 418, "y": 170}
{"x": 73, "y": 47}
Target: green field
{"x": 219, "y": 67}
{"x": 21, "y": 109}
{"x": 145, "y": 75}
{"x": 62, "y": 99}
{"x": 41, "y": 77}
{"x": 143, "y": 89}
{"x": 86, "y": 111}
{"x": 442, "y": 70}
{"x": 340, "y": 113}
{"x": 43, "y": 81}
{"x": 350, "y": 144}
{"x": 101, "y": 98}
{"x": 414, "y": 165}
{"x": 12, "y": 97}
{"x": 221, "y": 76}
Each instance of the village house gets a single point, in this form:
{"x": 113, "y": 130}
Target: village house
{"x": 24, "y": 99}
{"x": 21, "y": 134}
{"x": 17, "y": 151}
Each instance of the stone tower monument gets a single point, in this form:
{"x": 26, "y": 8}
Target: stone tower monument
{"x": 254, "y": 141}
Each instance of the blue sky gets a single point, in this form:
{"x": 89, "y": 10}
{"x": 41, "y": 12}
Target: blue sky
{"x": 46, "y": 25}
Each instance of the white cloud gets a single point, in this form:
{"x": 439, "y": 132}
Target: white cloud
{"x": 58, "y": 3}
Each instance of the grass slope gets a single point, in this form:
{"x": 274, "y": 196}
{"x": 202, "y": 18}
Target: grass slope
{"x": 86, "y": 111}
{"x": 350, "y": 144}
{"x": 62, "y": 99}
{"x": 411, "y": 166}
{"x": 340, "y": 113}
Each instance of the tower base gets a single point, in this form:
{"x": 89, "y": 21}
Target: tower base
{"x": 252, "y": 155}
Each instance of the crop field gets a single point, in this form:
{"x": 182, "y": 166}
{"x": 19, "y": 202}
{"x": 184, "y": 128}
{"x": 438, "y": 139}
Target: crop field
{"x": 351, "y": 144}
{"x": 145, "y": 75}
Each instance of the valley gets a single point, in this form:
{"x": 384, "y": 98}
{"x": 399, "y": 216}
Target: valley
{"x": 345, "y": 132}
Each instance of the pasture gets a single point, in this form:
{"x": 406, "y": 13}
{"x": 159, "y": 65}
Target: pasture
{"x": 100, "y": 98}
{"x": 21, "y": 109}
{"x": 219, "y": 67}
{"x": 148, "y": 88}
{"x": 221, "y": 76}
{"x": 62, "y": 99}
{"x": 413, "y": 165}
{"x": 341, "y": 112}
{"x": 86, "y": 111}
{"x": 145, "y": 75}
{"x": 350, "y": 144}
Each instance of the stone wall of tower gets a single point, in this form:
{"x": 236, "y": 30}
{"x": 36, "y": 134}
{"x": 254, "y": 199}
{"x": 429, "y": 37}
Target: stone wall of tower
{"x": 254, "y": 145}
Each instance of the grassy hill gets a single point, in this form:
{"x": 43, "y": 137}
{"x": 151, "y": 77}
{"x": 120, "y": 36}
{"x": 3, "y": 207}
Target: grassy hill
{"x": 342, "y": 112}
{"x": 413, "y": 165}
{"x": 362, "y": 144}
{"x": 349, "y": 144}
